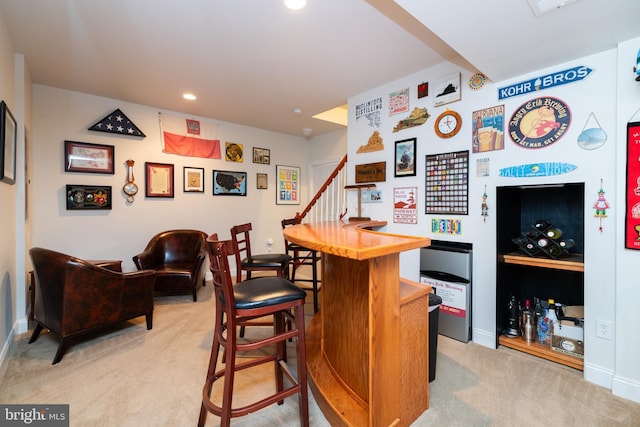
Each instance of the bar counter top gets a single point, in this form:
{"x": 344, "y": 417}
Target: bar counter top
{"x": 352, "y": 240}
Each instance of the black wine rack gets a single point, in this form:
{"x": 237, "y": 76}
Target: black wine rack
{"x": 543, "y": 239}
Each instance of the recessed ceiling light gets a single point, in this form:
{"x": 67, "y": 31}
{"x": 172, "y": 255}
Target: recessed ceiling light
{"x": 295, "y": 4}
{"x": 189, "y": 96}
{"x": 297, "y": 111}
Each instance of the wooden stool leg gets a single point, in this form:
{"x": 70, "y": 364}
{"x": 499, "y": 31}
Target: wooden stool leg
{"x": 303, "y": 400}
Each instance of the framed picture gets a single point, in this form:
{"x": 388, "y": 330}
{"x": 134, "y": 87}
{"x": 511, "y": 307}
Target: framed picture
{"x": 261, "y": 181}
{"x": 405, "y": 161}
{"x": 158, "y": 179}
{"x": 193, "y": 180}
{"x": 261, "y": 155}
{"x": 288, "y": 179}
{"x": 229, "y": 183}
{"x": 447, "y": 90}
{"x": 88, "y": 197}
{"x": 8, "y": 137}
{"x": 85, "y": 157}
{"x": 233, "y": 152}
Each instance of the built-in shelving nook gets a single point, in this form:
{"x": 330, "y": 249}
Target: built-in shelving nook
{"x": 539, "y": 275}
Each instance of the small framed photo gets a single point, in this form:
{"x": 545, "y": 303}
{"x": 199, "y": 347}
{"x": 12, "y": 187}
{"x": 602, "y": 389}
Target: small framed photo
{"x": 288, "y": 179}
{"x": 8, "y": 137}
{"x": 85, "y": 157}
{"x": 193, "y": 180}
{"x": 447, "y": 90}
{"x": 261, "y": 181}
{"x": 261, "y": 155}
{"x": 159, "y": 179}
{"x": 405, "y": 160}
{"x": 88, "y": 197}
{"x": 229, "y": 183}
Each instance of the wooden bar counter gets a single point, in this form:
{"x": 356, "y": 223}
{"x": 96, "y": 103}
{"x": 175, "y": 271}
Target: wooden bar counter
{"x": 368, "y": 346}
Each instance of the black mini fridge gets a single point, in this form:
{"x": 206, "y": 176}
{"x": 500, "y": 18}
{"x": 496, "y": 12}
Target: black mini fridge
{"x": 446, "y": 267}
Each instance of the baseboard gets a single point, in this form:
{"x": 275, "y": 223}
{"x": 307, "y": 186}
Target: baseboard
{"x": 598, "y": 375}
{"x": 6, "y": 347}
{"x": 484, "y": 338}
{"x": 626, "y": 388}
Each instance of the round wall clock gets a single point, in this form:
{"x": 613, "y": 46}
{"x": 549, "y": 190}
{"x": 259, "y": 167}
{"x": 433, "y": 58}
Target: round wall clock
{"x": 448, "y": 124}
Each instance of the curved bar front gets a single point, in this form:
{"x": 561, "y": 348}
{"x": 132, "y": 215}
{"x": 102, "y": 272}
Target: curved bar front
{"x": 367, "y": 348}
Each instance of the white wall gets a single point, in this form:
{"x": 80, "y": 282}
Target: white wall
{"x": 597, "y": 94}
{"x": 124, "y": 230}
{"x": 625, "y": 283}
{"x": 8, "y": 204}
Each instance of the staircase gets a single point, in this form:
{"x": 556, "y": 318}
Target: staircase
{"x": 329, "y": 203}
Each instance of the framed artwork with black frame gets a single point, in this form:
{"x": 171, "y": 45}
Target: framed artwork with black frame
{"x": 8, "y": 140}
{"x": 86, "y": 157}
{"x": 80, "y": 197}
{"x": 261, "y": 155}
{"x": 193, "y": 180}
{"x": 288, "y": 188}
{"x": 229, "y": 183}
{"x": 158, "y": 179}
{"x": 405, "y": 160}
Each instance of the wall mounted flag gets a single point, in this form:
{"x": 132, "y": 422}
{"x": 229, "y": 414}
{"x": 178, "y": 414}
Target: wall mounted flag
{"x": 189, "y": 137}
{"x": 118, "y": 123}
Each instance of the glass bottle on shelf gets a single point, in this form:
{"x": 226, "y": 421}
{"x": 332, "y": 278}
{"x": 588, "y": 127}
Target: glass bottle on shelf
{"x": 551, "y": 317}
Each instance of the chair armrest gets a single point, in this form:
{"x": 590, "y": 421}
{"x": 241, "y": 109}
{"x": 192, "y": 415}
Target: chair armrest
{"x": 146, "y": 260}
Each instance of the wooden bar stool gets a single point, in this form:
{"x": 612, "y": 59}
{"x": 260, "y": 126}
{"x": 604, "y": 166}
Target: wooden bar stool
{"x": 244, "y": 301}
{"x": 303, "y": 256}
{"x": 246, "y": 261}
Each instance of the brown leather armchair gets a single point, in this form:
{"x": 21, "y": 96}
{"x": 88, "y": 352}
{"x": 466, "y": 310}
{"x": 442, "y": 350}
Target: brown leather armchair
{"x": 177, "y": 257}
{"x": 73, "y": 296}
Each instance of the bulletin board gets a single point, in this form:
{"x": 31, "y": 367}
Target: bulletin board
{"x": 632, "y": 213}
{"x": 447, "y": 183}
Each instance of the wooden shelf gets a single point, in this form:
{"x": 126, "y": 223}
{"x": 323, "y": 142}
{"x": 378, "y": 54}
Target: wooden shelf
{"x": 542, "y": 351}
{"x": 571, "y": 262}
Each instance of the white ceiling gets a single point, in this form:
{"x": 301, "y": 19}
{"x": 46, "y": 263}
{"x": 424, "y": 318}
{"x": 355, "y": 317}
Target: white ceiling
{"x": 252, "y": 62}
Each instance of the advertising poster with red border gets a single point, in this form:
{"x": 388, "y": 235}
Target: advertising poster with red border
{"x": 632, "y": 214}
{"x": 405, "y": 207}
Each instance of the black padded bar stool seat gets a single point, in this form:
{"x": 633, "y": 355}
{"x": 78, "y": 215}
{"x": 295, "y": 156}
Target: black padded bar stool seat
{"x": 266, "y": 262}
{"x": 264, "y": 292}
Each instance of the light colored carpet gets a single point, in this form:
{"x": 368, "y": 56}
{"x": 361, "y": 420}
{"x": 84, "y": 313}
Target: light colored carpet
{"x": 128, "y": 376}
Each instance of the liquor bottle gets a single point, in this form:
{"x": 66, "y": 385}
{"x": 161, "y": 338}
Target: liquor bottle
{"x": 542, "y": 225}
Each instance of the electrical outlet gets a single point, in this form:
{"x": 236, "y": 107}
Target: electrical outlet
{"x": 604, "y": 329}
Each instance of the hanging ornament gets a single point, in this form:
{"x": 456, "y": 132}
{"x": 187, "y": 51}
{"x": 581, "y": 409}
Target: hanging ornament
{"x": 485, "y": 207}
{"x": 601, "y": 205}
{"x": 593, "y": 137}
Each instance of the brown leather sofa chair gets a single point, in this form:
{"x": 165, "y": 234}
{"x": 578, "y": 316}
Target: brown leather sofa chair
{"x": 73, "y": 296}
{"x": 177, "y": 256}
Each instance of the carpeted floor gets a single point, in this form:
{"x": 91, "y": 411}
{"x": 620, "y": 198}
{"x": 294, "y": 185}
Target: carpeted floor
{"x": 128, "y": 376}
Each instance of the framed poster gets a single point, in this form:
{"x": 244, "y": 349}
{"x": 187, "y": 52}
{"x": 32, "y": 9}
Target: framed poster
{"x": 193, "y": 180}
{"x": 288, "y": 181}
{"x": 229, "y": 183}
{"x": 159, "y": 179}
{"x": 405, "y": 163}
{"x": 8, "y": 138}
{"x": 88, "y": 197}
{"x": 447, "y": 183}
{"x": 632, "y": 212}
{"x": 85, "y": 157}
